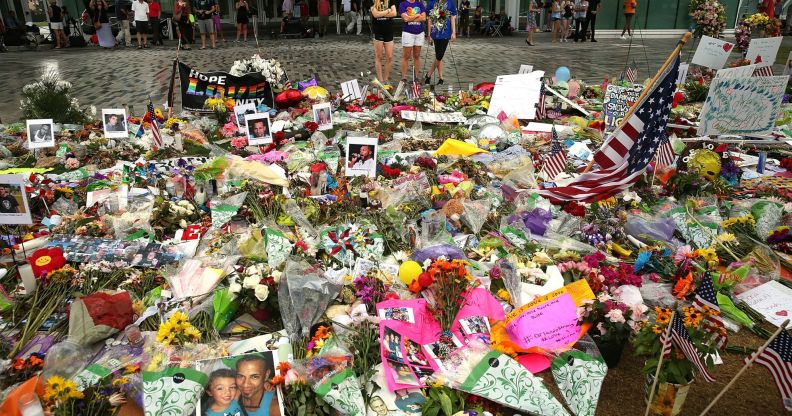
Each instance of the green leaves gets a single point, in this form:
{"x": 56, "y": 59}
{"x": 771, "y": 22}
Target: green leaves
{"x": 443, "y": 401}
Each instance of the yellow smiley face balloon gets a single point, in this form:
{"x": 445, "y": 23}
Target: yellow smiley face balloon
{"x": 706, "y": 162}
{"x": 315, "y": 93}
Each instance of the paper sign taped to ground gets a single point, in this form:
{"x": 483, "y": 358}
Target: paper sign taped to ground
{"x": 772, "y": 299}
{"x": 683, "y": 71}
{"x": 712, "y": 53}
{"x": 762, "y": 51}
{"x": 350, "y": 90}
{"x": 617, "y": 103}
{"x": 743, "y": 106}
{"x": 516, "y": 95}
{"x": 424, "y": 117}
{"x": 548, "y": 322}
{"x": 739, "y": 72}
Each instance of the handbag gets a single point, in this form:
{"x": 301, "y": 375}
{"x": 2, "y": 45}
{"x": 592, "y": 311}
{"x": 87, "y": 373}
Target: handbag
{"x": 97, "y": 24}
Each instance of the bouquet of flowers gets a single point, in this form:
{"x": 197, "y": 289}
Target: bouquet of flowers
{"x": 439, "y": 15}
{"x": 710, "y": 16}
{"x": 270, "y": 68}
{"x": 450, "y": 283}
{"x": 177, "y": 330}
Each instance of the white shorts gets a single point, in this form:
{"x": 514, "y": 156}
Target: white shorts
{"x": 56, "y": 25}
{"x": 409, "y": 40}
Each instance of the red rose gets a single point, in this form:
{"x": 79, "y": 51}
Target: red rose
{"x": 573, "y": 208}
{"x": 311, "y": 126}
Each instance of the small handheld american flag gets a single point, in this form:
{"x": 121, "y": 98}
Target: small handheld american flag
{"x": 555, "y": 163}
{"x": 681, "y": 338}
{"x": 631, "y": 73}
{"x": 155, "y": 131}
{"x": 706, "y": 299}
{"x": 777, "y": 358}
{"x": 665, "y": 154}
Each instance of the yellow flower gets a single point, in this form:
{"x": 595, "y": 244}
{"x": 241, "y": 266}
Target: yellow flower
{"x": 747, "y": 219}
{"x": 656, "y": 329}
{"x": 54, "y": 387}
{"x": 179, "y": 320}
{"x": 709, "y": 255}
{"x": 726, "y": 238}
{"x": 165, "y": 331}
{"x": 121, "y": 381}
{"x": 504, "y": 294}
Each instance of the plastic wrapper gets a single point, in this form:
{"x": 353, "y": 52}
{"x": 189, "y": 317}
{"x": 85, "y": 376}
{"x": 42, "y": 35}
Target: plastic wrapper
{"x": 768, "y": 216}
{"x": 476, "y": 213}
{"x": 579, "y": 377}
{"x": 194, "y": 279}
{"x": 450, "y": 252}
{"x": 479, "y": 370}
{"x": 224, "y": 209}
{"x": 65, "y": 359}
{"x": 254, "y": 245}
{"x": 433, "y": 230}
{"x": 701, "y": 231}
{"x": 137, "y": 217}
{"x": 303, "y": 296}
{"x": 65, "y": 206}
{"x": 293, "y": 211}
{"x": 332, "y": 378}
{"x": 97, "y": 316}
{"x": 658, "y": 294}
{"x": 511, "y": 280}
{"x": 536, "y": 221}
{"x": 554, "y": 240}
{"x": 110, "y": 359}
{"x": 224, "y": 307}
{"x": 647, "y": 230}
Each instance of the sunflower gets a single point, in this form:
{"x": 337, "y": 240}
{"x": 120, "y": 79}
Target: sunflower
{"x": 179, "y": 320}
{"x": 726, "y": 238}
{"x": 54, "y": 387}
{"x": 166, "y": 331}
{"x": 657, "y": 329}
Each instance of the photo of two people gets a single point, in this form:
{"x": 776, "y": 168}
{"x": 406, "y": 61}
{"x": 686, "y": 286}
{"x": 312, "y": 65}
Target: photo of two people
{"x": 240, "y": 386}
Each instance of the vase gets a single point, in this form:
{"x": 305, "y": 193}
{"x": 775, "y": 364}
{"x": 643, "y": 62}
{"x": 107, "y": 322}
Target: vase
{"x": 668, "y": 398}
{"x": 611, "y": 351}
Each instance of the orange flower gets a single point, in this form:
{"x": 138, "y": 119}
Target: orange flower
{"x": 283, "y": 367}
{"x": 683, "y": 286}
{"x": 276, "y": 380}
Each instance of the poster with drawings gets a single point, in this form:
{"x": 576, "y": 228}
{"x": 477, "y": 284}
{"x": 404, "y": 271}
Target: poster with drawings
{"x": 742, "y": 106}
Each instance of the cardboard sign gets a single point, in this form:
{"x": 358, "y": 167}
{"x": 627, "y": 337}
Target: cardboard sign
{"x": 617, "y": 103}
{"x": 772, "y": 299}
{"x": 738, "y": 72}
{"x": 762, "y": 51}
{"x": 712, "y": 53}
{"x": 350, "y": 90}
{"x": 425, "y": 117}
{"x": 516, "y": 95}
{"x": 549, "y": 322}
{"x": 742, "y": 106}
{"x": 525, "y": 69}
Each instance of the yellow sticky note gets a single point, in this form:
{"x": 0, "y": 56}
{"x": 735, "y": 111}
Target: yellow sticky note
{"x": 580, "y": 291}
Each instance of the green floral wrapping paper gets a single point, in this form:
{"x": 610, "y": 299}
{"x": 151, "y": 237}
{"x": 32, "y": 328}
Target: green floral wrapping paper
{"x": 278, "y": 247}
{"x": 342, "y": 391}
{"x": 579, "y": 376}
{"x": 708, "y": 217}
{"x": 172, "y": 392}
{"x": 501, "y": 379}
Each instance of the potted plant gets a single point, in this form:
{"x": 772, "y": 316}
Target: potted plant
{"x": 676, "y": 373}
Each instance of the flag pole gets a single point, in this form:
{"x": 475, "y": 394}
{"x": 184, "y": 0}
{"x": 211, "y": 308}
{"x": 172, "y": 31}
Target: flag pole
{"x": 745, "y": 367}
{"x": 681, "y": 44}
{"x": 667, "y": 338}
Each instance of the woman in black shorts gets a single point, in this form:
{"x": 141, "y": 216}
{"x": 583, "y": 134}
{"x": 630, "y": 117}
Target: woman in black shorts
{"x": 242, "y": 11}
{"x": 383, "y": 13}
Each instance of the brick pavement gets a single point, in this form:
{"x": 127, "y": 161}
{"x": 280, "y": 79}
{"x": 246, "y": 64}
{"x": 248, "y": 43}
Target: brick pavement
{"x": 127, "y": 76}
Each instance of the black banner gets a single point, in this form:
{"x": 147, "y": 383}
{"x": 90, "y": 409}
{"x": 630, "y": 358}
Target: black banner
{"x": 197, "y": 86}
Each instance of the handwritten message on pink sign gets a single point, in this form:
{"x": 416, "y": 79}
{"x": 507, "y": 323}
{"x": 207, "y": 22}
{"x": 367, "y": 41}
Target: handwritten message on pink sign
{"x": 549, "y": 324}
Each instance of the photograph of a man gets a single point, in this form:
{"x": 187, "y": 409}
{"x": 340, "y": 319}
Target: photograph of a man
{"x": 259, "y": 129}
{"x": 13, "y": 201}
{"x": 361, "y": 156}
{"x": 8, "y": 204}
{"x": 40, "y": 133}
{"x": 115, "y": 126}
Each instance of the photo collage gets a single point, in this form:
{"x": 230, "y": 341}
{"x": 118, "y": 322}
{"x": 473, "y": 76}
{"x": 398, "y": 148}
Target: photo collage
{"x": 83, "y": 249}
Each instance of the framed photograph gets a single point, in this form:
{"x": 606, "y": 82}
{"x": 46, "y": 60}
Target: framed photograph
{"x": 239, "y": 385}
{"x": 323, "y": 116}
{"x": 41, "y": 133}
{"x": 14, "y": 207}
{"x": 475, "y": 325}
{"x": 242, "y": 111}
{"x": 259, "y": 129}
{"x": 361, "y": 156}
{"x": 115, "y": 124}
{"x": 403, "y": 314}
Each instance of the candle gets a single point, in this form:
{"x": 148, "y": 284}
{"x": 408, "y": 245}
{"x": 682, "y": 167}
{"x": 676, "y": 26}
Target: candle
{"x": 28, "y": 279}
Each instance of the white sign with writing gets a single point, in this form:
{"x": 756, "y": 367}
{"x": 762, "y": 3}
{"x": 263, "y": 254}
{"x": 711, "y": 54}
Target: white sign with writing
{"x": 712, "y": 53}
{"x": 772, "y": 299}
{"x": 743, "y": 106}
{"x": 516, "y": 95}
{"x": 762, "y": 51}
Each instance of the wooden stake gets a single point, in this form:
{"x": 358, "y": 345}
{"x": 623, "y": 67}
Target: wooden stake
{"x": 667, "y": 337}
{"x": 681, "y": 44}
{"x": 745, "y": 367}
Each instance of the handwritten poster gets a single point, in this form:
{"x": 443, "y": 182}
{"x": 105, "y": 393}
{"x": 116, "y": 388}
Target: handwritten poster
{"x": 738, "y": 72}
{"x": 549, "y": 322}
{"x": 712, "y": 53}
{"x": 742, "y": 105}
{"x": 763, "y": 51}
{"x": 788, "y": 64}
{"x": 517, "y": 95}
{"x": 772, "y": 299}
{"x": 617, "y": 102}
{"x": 683, "y": 71}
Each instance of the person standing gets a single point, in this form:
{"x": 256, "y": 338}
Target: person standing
{"x": 55, "y": 14}
{"x": 204, "y": 10}
{"x": 533, "y": 8}
{"x": 242, "y": 19}
{"x": 98, "y": 11}
{"x": 181, "y": 14}
{"x": 217, "y": 24}
{"x": 323, "y": 7}
{"x": 383, "y": 13}
{"x": 441, "y": 32}
{"x": 413, "y": 14}
{"x": 122, "y": 15}
{"x": 566, "y": 19}
{"x": 155, "y": 11}
{"x": 288, "y": 9}
{"x": 629, "y": 13}
{"x": 477, "y": 15}
{"x": 352, "y": 16}
{"x": 591, "y": 18}
{"x": 581, "y": 9}
{"x": 140, "y": 10}
{"x": 305, "y": 12}
{"x": 464, "y": 18}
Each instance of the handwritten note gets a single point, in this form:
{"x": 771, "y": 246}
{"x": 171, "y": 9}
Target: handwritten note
{"x": 549, "y": 322}
{"x": 762, "y": 51}
{"x": 712, "y": 52}
{"x": 517, "y": 95}
{"x": 742, "y": 106}
{"x": 738, "y": 72}
{"x": 772, "y": 299}
{"x": 617, "y": 102}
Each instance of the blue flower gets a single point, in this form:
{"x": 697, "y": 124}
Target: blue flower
{"x": 642, "y": 260}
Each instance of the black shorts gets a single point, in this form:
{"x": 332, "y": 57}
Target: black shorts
{"x": 141, "y": 26}
{"x": 440, "y": 48}
{"x": 383, "y": 31}
{"x": 242, "y": 20}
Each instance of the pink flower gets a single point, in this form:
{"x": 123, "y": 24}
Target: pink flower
{"x": 616, "y": 316}
{"x": 229, "y": 130}
{"x": 71, "y": 163}
{"x": 682, "y": 253}
{"x": 239, "y": 142}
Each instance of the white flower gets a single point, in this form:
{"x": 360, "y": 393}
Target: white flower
{"x": 615, "y": 316}
{"x": 251, "y": 281}
{"x": 183, "y": 224}
{"x": 234, "y": 288}
{"x": 427, "y": 263}
{"x": 276, "y": 275}
{"x": 261, "y": 292}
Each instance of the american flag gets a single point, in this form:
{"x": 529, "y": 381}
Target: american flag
{"x": 416, "y": 89}
{"x": 555, "y": 163}
{"x": 681, "y": 337}
{"x": 765, "y": 71}
{"x": 777, "y": 358}
{"x": 625, "y": 155}
{"x": 665, "y": 154}
{"x": 154, "y": 126}
{"x": 541, "y": 110}
{"x": 705, "y": 297}
{"x": 631, "y": 73}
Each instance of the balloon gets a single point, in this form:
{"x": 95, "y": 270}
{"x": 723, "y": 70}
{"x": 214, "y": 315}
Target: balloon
{"x": 288, "y": 98}
{"x": 484, "y": 87}
{"x": 409, "y": 271}
{"x": 562, "y": 74}
{"x": 315, "y": 92}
